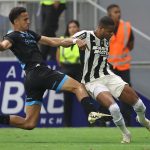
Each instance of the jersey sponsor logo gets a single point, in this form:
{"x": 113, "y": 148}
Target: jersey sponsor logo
{"x": 29, "y": 42}
{"x": 28, "y": 38}
{"x": 102, "y": 51}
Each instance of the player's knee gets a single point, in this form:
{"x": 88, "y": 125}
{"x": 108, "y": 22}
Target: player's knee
{"x": 114, "y": 108}
{"x": 80, "y": 88}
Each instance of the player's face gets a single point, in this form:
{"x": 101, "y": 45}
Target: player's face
{"x": 73, "y": 28}
{"x": 23, "y": 22}
{"x": 107, "y": 32}
{"x": 115, "y": 14}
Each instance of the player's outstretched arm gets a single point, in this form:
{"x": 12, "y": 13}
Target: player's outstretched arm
{"x": 4, "y": 45}
{"x": 50, "y": 41}
{"x": 62, "y": 42}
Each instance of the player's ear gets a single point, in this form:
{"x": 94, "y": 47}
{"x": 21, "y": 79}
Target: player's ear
{"x": 15, "y": 21}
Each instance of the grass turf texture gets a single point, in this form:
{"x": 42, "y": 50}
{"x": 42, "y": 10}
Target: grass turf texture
{"x": 72, "y": 139}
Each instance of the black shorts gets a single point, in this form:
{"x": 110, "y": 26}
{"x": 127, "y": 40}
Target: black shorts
{"x": 38, "y": 80}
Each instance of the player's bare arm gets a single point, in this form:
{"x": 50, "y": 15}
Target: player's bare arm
{"x": 62, "y": 42}
{"x": 56, "y": 41}
{"x": 4, "y": 45}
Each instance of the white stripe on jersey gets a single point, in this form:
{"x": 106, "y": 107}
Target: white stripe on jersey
{"x": 109, "y": 71}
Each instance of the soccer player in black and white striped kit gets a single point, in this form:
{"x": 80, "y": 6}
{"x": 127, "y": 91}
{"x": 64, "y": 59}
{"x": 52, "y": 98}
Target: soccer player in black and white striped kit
{"x": 101, "y": 83}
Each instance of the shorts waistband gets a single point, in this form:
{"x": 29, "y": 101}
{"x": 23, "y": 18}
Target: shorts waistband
{"x": 31, "y": 67}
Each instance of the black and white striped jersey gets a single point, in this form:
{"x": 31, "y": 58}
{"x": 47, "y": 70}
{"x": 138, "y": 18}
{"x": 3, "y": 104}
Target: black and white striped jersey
{"x": 94, "y": 58}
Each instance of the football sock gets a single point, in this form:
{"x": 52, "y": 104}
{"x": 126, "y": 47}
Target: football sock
{"x": 117, "y": 118}
{"x": 4, "y": 119}
{"x": 88, "y": 105}
{"x": 140, "y": 108}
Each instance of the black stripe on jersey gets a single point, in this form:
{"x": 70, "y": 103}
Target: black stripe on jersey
{"x": 91, "y": 59}
{"x": 96, "y": 70}
{"x": 82, "y": 56}
{"x": 105, "y": 68}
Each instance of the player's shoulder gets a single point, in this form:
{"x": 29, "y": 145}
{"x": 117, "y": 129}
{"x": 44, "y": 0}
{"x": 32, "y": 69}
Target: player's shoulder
{"x": 11, "y": 34}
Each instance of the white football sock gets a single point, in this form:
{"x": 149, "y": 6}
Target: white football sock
{"x": 140, "y": 108}
{"x": 117, "y": 118}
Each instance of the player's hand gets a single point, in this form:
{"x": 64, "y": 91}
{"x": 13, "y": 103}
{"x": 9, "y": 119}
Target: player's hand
{"x": 81, "y": 44}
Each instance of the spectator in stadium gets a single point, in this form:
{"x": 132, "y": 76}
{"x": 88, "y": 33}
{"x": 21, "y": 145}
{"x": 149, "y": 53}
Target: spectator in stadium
{"x": 24, "y": 44}
{"x": 121, "y": 44}
{"x": 101, "y": 83}
{"x": 69, "y": 61}
{"x": 50, "y": 13}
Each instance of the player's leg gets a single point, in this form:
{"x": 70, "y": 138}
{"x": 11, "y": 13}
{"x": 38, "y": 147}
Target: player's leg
{"x": 28, "y": 122}
{"x": 102, "y": 94}
{"x": 31, "y": 119}
{"x": 130, "y": 97}
{"x": 58, "y": 81}
{"x": 33, "y": 105}
{"x": 32, "y": 109}
{"x": 34, "y": 91}
{"x": 79, "y": 90}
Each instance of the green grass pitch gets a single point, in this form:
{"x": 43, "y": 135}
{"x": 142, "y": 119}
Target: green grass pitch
{"x": 72, "y": 139}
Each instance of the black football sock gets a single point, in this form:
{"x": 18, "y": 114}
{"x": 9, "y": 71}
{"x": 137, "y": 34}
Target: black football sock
{"x": 88, "y": 105}
{"x": 4, "y": 119}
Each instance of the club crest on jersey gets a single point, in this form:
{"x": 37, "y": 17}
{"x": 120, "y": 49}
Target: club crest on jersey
{"x": 103, "y": 51}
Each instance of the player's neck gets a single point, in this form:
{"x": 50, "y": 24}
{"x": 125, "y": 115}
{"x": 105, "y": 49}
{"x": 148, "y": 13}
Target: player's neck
{"x": 97, "y": 35}
{"x": 18, "y": 29}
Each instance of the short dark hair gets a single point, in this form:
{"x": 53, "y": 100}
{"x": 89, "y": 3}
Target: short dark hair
{"x": 106, "y": 21}
{"x": 67, "y": 28}
{"x": 112, "y": 6}
{"x": 15, "y": 12}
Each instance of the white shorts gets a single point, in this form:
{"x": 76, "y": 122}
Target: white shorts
{"x": 112, "y": 83}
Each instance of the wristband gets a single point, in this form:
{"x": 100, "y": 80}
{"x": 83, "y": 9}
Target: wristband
{"x": 74, "y": 41}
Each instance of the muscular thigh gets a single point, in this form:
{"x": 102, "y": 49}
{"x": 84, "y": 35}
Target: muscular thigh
{"x": 105, "y": 98}
{"x": 70, "y": 84}
{"x": 128, "y": 95}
